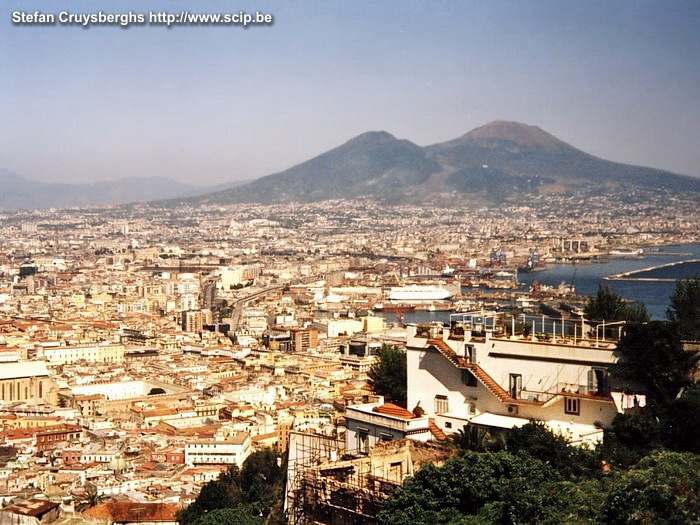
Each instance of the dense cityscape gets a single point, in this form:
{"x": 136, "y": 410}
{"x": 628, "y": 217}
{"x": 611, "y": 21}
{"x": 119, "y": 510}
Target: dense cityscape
{"x": 146, "y": 348}
{"x": 350, "y": 263}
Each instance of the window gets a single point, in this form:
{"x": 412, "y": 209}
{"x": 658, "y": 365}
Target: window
{"x": 448, "y": 424}
{"x": 468, "y": 378}
{"x": 385, "y": 436}
{"x": 598, "y": 381}
{"x": 515, "y": 385}
{"x": 363, "y": 441}
{"x": 572, "y": 405}
{"x": 396, "y": 471}
{"x": 470, "y": 352}
{"x": 441, "y": 404}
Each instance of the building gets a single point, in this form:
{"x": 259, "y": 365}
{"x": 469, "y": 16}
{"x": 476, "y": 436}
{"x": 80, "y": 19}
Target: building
{"x": 370, "y": 423}
{"x": 325, "y": 490}
{"x": 68, "y": 354}
{"x": 30, "y": 512}
{"x": 304, "y": 339}
{"x": 359, "y": 354}
{"x": 49, "y": 438}
{"x": 472, "y": 373}
{"x": 127, "y": 512}
{"x": 233, "y": 450}
{"x": 194, "y": 320}
{"x": 24, "y": 380}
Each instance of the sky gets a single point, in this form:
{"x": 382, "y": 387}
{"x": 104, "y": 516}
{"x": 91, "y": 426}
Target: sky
{"x": 208, "y": 105}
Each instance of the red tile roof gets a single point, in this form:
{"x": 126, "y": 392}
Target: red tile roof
{"x": 127, "y": 511}
{"x": 390, "y": 409}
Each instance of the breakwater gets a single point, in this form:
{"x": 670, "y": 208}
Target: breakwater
{"x": 637, "y": 275}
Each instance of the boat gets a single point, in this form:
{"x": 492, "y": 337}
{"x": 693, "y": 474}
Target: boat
{"x": 419, "y": 293}
{"x": 626, "y": 253}
{"x": 393, "y": 308}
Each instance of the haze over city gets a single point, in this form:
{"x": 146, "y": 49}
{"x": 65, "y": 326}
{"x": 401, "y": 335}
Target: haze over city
{"x": 341, "y": 263}
{"x": 209, "y": 105}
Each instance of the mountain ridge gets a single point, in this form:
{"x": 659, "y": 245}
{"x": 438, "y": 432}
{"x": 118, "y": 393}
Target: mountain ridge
{"x": 491, "y": 162}
{"x": 18, "y": 192}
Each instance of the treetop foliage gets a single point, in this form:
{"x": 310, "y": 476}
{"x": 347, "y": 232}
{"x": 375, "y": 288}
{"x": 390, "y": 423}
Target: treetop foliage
{"x": 652, "y": 356}
{"x": 607, "y": 305}
{"x": 388, "y": 375}
{"x": 246, "y": 495}
{"x": 684, "y": 311}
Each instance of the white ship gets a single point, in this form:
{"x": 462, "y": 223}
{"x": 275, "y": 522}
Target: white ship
{"x": 419, "y": 293}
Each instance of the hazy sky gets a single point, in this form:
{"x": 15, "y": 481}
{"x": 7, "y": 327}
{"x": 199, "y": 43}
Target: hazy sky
{"x": 619, "y": 79}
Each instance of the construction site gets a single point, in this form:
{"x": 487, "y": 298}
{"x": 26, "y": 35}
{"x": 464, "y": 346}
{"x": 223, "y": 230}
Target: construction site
{"x": 328, "y": 485}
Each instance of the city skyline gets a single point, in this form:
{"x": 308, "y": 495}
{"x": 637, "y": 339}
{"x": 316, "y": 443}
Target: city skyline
{"x": 218, "y": 104}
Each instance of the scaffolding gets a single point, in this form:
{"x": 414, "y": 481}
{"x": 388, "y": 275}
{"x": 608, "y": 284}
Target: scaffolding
{"x": 351, "y": 491}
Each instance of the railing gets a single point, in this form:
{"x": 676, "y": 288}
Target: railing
{"x": 563, "y": 389}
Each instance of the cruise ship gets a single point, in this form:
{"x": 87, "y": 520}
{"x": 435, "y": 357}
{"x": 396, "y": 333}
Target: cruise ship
{"x": 416, "y": 293}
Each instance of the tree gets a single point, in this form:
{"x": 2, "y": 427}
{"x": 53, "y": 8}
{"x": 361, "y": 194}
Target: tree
{"x": 652, "y": 356}
{"x": 478, "y": 439}
{"x": 539, "y": 442}
{"x": 662, "y": 488}
{"x": 684, "y": 311}
{"x": 683, "y": 422}
{"x": 250, "y": 492}
{"x": 241, "y": 515}
{"x": 463, "y": 485}
{"x": 90, "y": 497}
{"x": 388, "y": 375}
{"x": 607, "y": 305}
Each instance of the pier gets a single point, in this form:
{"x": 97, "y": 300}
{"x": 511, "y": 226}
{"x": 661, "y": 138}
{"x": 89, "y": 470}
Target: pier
{"x": 629, "y": 276}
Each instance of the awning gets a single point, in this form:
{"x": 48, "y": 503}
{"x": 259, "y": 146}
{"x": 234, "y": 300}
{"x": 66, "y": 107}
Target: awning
{"x": 494, "y": 420}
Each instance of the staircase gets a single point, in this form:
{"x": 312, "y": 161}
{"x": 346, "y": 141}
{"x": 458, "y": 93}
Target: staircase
{"x": 460, "y": 362}
{"x": 442, "y": 347}
{"x": 496, "y": 389}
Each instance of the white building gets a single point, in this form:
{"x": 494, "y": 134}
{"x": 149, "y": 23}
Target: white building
{"x": 370, "y": 423}
{"x": 102, "y": 353}
{"x": 231, "y": 451}
{"x": 487, "y": 378}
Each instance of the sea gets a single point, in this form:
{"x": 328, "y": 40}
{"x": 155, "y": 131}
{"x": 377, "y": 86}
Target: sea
{"x": 587, "y": 277}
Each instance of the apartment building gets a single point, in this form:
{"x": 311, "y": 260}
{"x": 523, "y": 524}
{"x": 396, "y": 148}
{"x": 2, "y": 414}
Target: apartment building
{"x": 230, "y": 451}
{"x": 68, "y": 354}
{"x": 472, "y": 373}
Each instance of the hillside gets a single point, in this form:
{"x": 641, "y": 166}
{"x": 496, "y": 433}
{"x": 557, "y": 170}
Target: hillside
{"x": 492, "y": 162}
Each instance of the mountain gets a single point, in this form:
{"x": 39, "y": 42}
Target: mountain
{"x": 19, "y": 193}
{"x": 491, "y": 162}
{"x": 374, "y": 163}
{"x": 538, "y": 159}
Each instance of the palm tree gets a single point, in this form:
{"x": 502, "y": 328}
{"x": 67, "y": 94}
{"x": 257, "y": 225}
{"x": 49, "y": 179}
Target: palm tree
{"x": 477, "y": 439}
{"x": 90, "y": 498}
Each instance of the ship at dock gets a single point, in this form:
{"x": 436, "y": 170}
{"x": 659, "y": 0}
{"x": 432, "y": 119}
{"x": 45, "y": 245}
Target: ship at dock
{"x": 418, "y": 294}
{"x": 393, "y": 308}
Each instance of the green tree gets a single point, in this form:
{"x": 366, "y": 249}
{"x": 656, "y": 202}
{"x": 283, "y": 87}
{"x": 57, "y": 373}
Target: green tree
{"x": 253, "y": 490}
{"x": 262, "y": 478}
{"x": 241, "y": 515}
{"x": 388, "y": 375}
{"x": 463, "y": 485}
{"x": 652, "y": 356}
{"x": 684, "y": 311}
{"x": 662, "y": 488}
{"x": 478, "y": 439}
{"x": 682, "y": 420}
{"x": 607, "y": 305}
{"x": 555, "y": 450}
{"x": 622, "y": 445}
